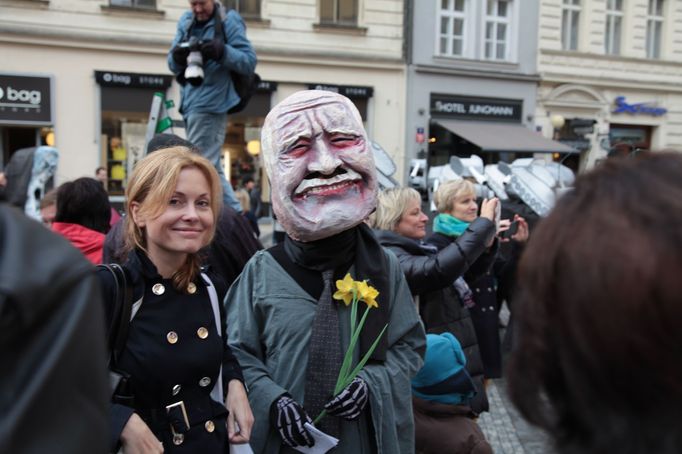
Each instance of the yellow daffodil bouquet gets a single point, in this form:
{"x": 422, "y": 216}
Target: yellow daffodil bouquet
{"x": 351, "y": 293}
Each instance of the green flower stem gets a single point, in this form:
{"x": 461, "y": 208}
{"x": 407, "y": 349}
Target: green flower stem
{"x": 322, "y": 414}
{"x": 365, "y": 358}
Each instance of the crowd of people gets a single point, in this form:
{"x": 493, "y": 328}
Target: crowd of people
{"x": 358, "y": 323}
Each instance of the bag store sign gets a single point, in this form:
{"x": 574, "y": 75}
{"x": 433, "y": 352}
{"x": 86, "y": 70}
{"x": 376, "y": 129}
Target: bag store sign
{"x": 345, "y": 90}
{"x": 475, "y": 108}
{"x": 25, "y": 100}
{"x": 133, "y": 80}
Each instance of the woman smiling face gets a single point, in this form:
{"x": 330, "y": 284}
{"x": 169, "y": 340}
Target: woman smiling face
{"x": 464, "y": 207}
{"x": 413, "y": 221}
{"x": 185, "y": 226}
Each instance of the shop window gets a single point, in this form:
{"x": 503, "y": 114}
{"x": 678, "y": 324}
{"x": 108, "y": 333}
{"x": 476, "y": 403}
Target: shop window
{"x": 339, "y": 12}
{"x": 125, "y": 112}
{"x": 654, "y": 28}
{"x": 248, "y": 9}
{"x": 141, "y": 4}
{"x": 614, "y": 20}
{"x": 570, "y": 18}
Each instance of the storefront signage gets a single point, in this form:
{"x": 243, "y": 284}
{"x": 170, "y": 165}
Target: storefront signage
{"x": 641, "y": 108}
{"x": 345, "y": 90}
{"x": 266, "y": 85}
{"x": 133, "y": 80}
{"x": 470, "y": 108}
{"x": 25, "y": 100}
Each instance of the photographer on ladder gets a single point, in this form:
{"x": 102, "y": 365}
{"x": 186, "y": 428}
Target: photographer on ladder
{"x": 209, "y": 45}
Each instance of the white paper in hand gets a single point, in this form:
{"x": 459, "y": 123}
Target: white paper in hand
{"x": 240, "y": 449}
{"x": 323, "y": 442}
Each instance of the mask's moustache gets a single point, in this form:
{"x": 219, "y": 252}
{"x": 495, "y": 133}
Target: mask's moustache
{"x": 317, "y": 179}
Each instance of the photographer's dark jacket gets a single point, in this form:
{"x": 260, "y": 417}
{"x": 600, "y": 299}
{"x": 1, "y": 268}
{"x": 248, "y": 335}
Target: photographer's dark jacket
{"x": 173, "y": 354}
{"x": 431, "y": 275}
{"x": 216, "y": 94}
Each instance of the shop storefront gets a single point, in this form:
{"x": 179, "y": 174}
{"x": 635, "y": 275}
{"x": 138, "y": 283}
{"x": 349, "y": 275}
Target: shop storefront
{"x": 602, "y": 122}
{"x": 26, "y": 112}
{"x": 488, "y": 127}
{"x": 125, "y": 104}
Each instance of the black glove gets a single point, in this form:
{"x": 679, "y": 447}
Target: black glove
{"x": 351, "y": 400}
{"x": 288, "y": 416}
{"x": 179, "y": 55}
{"x": 213, "y": 49}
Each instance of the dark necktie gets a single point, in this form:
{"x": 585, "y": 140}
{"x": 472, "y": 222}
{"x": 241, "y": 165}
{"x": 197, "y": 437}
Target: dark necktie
{"x": 324, "y": 358}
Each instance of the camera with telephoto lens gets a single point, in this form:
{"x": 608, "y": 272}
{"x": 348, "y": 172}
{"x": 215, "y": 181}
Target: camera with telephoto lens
{"x": 194, "y": 73}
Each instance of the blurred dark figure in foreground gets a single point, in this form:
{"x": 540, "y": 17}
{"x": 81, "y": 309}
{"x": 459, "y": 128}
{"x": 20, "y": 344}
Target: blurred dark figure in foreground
{"x": 54, "y": 383}
{"x": 599, "y": 358}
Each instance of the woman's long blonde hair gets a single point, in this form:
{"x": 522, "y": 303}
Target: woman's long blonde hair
{"x": 152, "y": 185}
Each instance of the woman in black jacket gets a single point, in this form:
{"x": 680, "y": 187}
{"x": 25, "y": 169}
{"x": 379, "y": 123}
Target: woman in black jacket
{"x": 176, "y": 351}
{"x": 457, "y": 207}
{"x": 434, "y": 277}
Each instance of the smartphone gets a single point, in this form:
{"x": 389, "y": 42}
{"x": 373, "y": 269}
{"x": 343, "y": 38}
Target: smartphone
{"x": 513, "y": 227}
{"x": 498, "y": 215}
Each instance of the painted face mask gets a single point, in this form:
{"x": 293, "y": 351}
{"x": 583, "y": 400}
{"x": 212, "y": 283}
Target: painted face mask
{"x": 320, "y": 165}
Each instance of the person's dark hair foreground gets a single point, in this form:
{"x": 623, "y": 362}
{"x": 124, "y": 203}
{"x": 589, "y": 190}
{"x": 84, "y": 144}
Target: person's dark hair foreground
{"x": 599, "y": 359}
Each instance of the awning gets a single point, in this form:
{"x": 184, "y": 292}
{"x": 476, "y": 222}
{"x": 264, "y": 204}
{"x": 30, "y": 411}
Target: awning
{"x": 500, "y": 137}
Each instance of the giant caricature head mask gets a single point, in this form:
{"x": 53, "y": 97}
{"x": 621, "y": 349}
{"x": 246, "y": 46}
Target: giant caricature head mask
{"x": 320, "y": 165}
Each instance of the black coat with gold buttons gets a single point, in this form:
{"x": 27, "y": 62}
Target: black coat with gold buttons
{"x": 174, "y": 355}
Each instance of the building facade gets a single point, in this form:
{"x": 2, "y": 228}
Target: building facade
{"x": 472, "y": 76}
{"x": 611, "y": 75}
{"x": 82, "y": 74}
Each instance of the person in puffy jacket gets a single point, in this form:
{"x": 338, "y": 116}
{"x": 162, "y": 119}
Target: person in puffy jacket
{"x": 457, "y": 208}
{"x": 83, "y": 214}
{"x": 436, "y": 276}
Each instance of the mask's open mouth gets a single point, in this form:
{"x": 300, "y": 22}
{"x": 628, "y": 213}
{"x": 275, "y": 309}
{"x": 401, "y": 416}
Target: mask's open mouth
{"x": 317, "y": 184}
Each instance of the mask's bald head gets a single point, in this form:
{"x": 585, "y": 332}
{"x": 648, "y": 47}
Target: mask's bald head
{"x": 320, "y": 165}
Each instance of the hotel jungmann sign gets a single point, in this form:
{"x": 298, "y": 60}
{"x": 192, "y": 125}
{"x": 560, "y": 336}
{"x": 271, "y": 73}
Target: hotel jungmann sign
{"x": 476, "y": 108}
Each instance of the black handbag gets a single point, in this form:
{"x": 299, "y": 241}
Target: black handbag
{"x": 245, "y": 85}
{"x": 119, "y": 381}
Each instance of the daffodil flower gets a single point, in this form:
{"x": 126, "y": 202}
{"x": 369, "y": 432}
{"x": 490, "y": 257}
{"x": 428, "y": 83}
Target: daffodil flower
{"x": 367, "y": 293}
{"x": 350, "y": 292}
{"x": 345, "y": 289}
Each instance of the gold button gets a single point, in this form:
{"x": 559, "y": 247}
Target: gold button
{"x": 172, "y": 337}
{"x": 191, "y": 288}
{"x": 176, "y": 389}
{"x": 204, "y": 382}
{"x": 202, "y": 332}
{"x": 210, "y": 427}
{"x": 158, "y": 289}
{"x": 178, "y": 439}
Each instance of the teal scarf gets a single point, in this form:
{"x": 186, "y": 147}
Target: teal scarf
{"x": 449, "y": 225}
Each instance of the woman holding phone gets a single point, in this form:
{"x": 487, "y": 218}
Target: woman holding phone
{"x": 457, "y": 207}
{"x": 187, "y": 386}
{"x": 435, "y": 277}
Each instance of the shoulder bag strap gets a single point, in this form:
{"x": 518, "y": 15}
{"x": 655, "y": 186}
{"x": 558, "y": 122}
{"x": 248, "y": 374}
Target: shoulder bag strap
{"x": 217, "y": 391}
{"x": 123, "y": 302}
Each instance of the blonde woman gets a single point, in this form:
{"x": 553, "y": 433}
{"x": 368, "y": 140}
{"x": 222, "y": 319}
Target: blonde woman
{"x": 457, "y": 210}
{"x": 434, "y": 276}
{"x": 178, "y": 361}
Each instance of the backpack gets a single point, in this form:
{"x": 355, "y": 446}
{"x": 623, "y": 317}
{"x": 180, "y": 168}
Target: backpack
{"x": 244, "y": 84}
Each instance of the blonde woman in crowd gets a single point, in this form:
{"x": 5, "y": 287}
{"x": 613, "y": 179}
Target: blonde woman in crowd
{"x": 187, "y": 387}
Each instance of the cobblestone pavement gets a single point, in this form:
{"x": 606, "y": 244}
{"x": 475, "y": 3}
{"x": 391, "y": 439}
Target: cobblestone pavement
{"x": 506, "y": 431}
